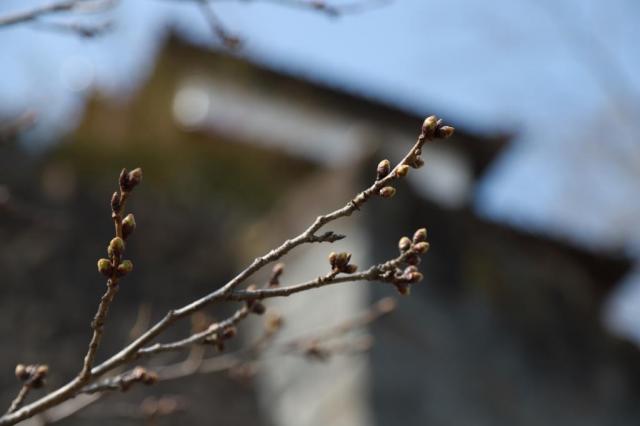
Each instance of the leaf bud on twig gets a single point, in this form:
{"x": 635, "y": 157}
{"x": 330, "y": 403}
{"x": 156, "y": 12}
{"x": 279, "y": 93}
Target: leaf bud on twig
{"x": 115, "y": 202}
{"x": 429, "y": 126}
{"x": 104, "y": 267}
{"x": 445, "y": 132}
{"x": 21, "y": 372}
{"x": 276, "y": 272}
{"x": 402, "y": 170}
{"x": 420, "y": 235}
{"x": 404, "y": 244}
{"x": 128, "y": 225}
{"x": 384, "y": 167}
{"x": 387, "y": 192}
{"x": 124, "y": 268}
{"x": 116, "y": 247}
{"x": 129, "y": 180}
{"x": 421, "y": 247}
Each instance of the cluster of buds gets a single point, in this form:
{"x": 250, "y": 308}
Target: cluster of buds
{"x": 115, "y": 267}
{"x": 382, "y": 171}
{"x": 432, "y": 128}
{"x": 340, "y": 263}
{"x": 32, "y": 375}
{"x": 276, "y": 272}
{"x": 410, "y": 249}
{"x": 221, "y": 337}
{"x": 130, "y": 179}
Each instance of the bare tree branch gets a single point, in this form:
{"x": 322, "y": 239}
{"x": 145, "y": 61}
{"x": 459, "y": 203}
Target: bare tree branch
{"x": 115, "y": 267}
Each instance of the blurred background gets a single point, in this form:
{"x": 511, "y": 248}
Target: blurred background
{"x": 251, "y": 117}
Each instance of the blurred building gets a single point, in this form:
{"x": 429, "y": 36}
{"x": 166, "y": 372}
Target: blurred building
{"x": 505, "y": 328}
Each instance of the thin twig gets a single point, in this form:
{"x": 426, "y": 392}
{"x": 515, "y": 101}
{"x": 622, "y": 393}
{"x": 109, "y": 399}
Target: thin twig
{"x": 49, "y": 9}
{"x": 432, "y": 128}
{"x": 17, "y": 402}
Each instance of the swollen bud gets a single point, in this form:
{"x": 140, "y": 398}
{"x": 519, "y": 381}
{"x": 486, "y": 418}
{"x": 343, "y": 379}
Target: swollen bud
{"x": 21, "y": 372}
{"x": 124, "y": 268}
{"x": 421, "y": 247}
{"x": 387, "y": 192}
{"x": 116, "y": 247}
{"x": 402, "y": 171}
{"x": 115, "y": 202}
{"x": 129, "y": 180}
{"x": 445, "y": 132}
{"x": 404, "y": 244}
{"x": 104, "y": 267}
{"x": 333, "y": 256}
{"x": 384, "y": 167}
{"x": 429, "y": 125}
{"x": 420, "y": 235}
{"x": 135, "y": 177}
{"x": 128, "y": 225}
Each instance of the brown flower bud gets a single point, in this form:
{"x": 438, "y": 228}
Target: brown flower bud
{"x": 410, "y": 269}
{"x": 415, "y": 277}
{"x": 257, "y": 308}
{"x": 445, "y": 132}
{"x": 277, "y": 270}
{"x": 135, "y": 177}
{"x": 104, "y": 267}
{"x": 420, "y": 235}
{"x": 429, "y": 125}
{"x": 129, "y": 180}
{"x": 116, "y": 247}
{"x": 404, "y": 244}
{"x": 128, "y": 225}
{"x": 384, "y": 167}
{"x": 124, "y": 268}
{"x": 115, "y": 202}
{"x": 21, "y": 372}
{"x": 421, "y": 247}
{"x": 342, "y": 260}
{"x": 402, "y": 171}
{"x": 333, "y": 256}
{"x": 42, "y": 370}
{"x": 387, "y": 192}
